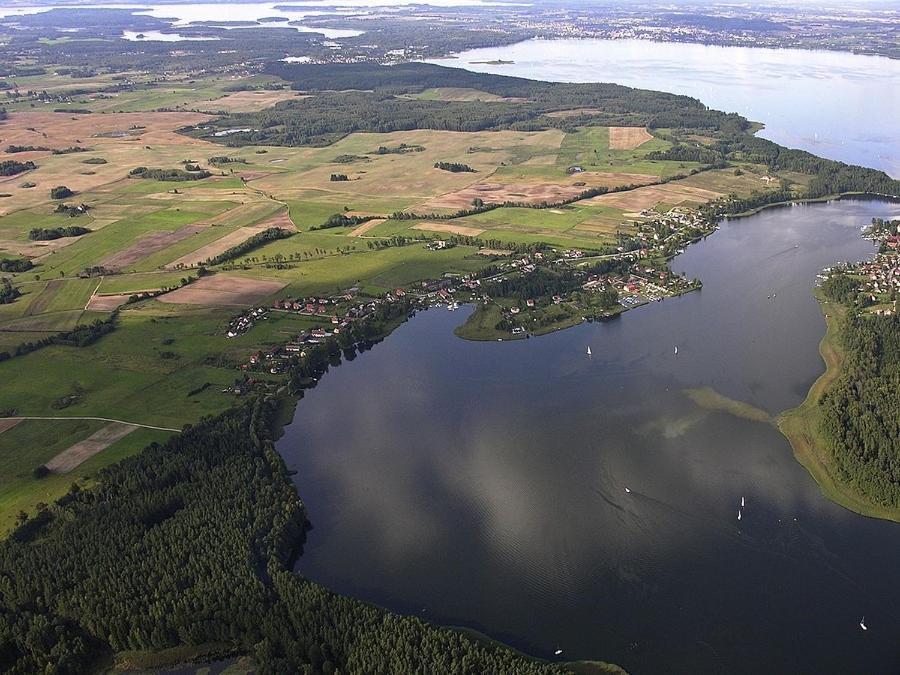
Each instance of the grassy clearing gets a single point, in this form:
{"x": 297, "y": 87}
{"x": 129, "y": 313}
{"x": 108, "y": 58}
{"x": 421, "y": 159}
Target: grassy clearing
{"x": 801, "y": 426}
{"x": 481, "y": 325}
{"x": 375, "y": 271}
{"x": 31, "y": 443}
{"x": 589, "y": 148}
{"x": 144, "y": 281}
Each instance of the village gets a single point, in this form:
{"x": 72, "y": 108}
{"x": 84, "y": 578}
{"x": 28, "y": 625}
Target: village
{"x": 575, "y": 286}
{"x": 879, "y": 277}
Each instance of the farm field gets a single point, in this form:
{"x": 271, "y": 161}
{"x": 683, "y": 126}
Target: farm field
{"x": 31, "y": 443}
{"x": 168, "y": 361}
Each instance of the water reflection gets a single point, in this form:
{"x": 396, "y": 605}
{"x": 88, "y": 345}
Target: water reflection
{"x": 484, "y": 484}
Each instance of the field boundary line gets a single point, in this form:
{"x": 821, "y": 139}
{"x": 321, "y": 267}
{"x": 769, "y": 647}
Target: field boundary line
{"x": 99, "y": 419}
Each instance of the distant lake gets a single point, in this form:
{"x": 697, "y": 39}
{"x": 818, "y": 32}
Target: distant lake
{"x": 483, "y": 484}
{"x": 834, "y": 104}
{"x": 186, "y": 13}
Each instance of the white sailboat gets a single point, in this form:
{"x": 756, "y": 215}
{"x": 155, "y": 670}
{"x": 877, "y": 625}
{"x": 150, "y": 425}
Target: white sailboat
{"x": 742, "y": 502}
{"x": 557, "y": 652}
{"x": 627, "y": 491}
{"x": 676, "y": 350}
{"x": 588, "y": 351}
{"x": 739, "y": 514}
{"x": 862, "y": 623}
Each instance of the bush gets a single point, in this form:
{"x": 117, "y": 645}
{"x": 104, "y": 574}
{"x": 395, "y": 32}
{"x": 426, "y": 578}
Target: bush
{"x": 60, "y": 192}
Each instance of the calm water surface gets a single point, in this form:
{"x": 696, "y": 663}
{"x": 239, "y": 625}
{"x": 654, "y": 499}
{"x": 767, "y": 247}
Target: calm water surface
{"x": 483, "y": 484}
{"x": 836, "y": 105}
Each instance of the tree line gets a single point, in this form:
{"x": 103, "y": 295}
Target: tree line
{"x": 170, "y": 175}
{"x": 15, "y": 265}
{"x": 257, "y": 240}
{"x": 11, "y": 167}
{"x": 81, "y": 335}
{"x": 51, "y": 233}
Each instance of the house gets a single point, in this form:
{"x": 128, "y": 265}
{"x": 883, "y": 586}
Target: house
{"x": 529, "y": 302}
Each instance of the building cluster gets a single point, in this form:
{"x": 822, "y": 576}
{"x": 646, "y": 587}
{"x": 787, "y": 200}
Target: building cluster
{"x": 878, "y": 277}
{"x": 244, "y": 322}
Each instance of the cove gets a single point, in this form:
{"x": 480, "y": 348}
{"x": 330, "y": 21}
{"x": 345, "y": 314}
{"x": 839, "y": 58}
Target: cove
{"x": 483, "y": 484}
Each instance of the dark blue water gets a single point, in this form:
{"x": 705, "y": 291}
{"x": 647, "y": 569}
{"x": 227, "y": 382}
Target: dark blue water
{"x": 483, "y": 484}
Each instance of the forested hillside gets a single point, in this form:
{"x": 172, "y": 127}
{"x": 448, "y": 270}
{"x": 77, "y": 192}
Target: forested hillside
{"x": 861, "y": 411}
{"x": 190, "y": 543}
{"x": 375, "y": 98}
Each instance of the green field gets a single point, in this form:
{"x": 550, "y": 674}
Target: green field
{"x": 33, "y": 442}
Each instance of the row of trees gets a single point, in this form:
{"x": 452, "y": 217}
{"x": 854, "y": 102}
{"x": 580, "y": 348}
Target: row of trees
{"x": 170, "y": 175}
{"x": 50, "y": 233}
{"x": 257, "y": 240}
{"x": 15, "y": 265}
{"x": 81, "y": 335}
{"x": 454, "y": 167}
{"x": 11, "y": 167}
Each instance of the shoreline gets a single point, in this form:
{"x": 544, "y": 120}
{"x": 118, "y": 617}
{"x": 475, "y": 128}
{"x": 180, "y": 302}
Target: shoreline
{"x": 800, "y": 426}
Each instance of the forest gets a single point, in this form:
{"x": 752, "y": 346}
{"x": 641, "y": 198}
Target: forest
{"x": 861, "y": 410}
{"x": 330, "y": 115}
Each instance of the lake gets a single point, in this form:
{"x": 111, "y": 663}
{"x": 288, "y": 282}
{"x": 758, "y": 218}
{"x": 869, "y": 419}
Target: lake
{"x": 483, "y": 484}
{"x": 834, "y": 104}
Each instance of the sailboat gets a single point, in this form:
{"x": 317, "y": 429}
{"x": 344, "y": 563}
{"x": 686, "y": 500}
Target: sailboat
{"x": 676, "y": 350}
{"x": 627, "y": 491}
{"x": 739, "y": 514}
{"x": 557, "y": 652}
{"x": 742, "y": 502}
{"x": 588, "y": 351}
{"x": 862, "y": 623}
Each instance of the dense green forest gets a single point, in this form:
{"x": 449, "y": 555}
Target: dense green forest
{"x": 192, "y": 542}
{"x": 367, "y": 100}
{"x": 861, "y": 410}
